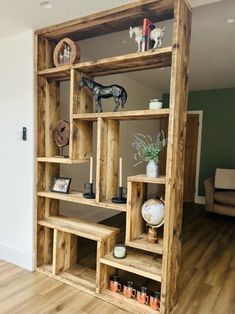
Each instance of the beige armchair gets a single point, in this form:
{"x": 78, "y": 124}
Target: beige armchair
{"x": 220, "y": 192}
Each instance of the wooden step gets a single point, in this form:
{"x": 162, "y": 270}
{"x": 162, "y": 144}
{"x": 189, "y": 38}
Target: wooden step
{"x": 142, "y": 244}
{"x": 82, "y": 228}
{"x": 126, "y": 63}
{"x": 136, "y": 262}
{"x": 143, "y": 178}
{"x": 124, "y": 115}
{"x": 77, "y": 197}
{"x": 77, "y": 276}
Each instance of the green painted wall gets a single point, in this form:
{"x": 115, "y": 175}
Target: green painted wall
{"x": 218, "y": 131}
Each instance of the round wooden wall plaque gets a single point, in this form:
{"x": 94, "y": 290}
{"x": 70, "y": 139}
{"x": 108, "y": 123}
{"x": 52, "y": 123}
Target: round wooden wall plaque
{"x": 67, "y": 52}
{"x": 61, "y": 133}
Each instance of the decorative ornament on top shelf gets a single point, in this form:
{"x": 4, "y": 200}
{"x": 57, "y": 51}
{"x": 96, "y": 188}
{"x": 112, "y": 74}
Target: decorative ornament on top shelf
{"x": 66, "y": 52}
{"x": 149, "y": 151}
{"x": 147, "y": 37}
{"x": 153, "y": 213}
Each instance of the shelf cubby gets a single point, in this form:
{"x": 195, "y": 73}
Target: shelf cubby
{"x": 136, "y": 231}
{"x": 136, "y": 262}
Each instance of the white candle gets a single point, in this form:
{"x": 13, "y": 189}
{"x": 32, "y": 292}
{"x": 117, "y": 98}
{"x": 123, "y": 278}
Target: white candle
{"x": 91, "y": 169}
{"x": 120, "y": 171}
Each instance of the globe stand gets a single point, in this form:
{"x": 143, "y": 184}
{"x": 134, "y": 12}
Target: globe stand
{"x": 152, "y": 235}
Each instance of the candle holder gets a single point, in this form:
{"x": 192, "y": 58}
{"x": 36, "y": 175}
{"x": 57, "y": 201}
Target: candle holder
{"x": 120, "y": 199}
{"x": 90, "y": 194}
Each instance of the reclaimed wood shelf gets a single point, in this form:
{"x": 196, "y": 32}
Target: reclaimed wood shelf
{"x": 60, "y": 73}
{"x": 92, "y": 231}
{"x": 77, "y": 197}
{"x": 141, "y": 243}
{"x": 78, "y": 276}
{"x": 144, "y": 179}
{"x": 62, "y": 160}
{"x": 57, "y": 246}
{"x": 81, "y": 276}
{"x": 113, "y": 20}
{"x": 118, "y": 299}
{"x": 126, "y": 63}
{"x": 124, "y": 115}
{"x": 137, "y": 263}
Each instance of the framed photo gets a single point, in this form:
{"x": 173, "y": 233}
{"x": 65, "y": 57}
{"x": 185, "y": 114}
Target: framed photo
{"x": 61, "y": 185}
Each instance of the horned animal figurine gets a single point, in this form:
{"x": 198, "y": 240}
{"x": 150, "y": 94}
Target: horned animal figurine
{"x": 99, "y": 91}
{"x": 156, "y": 35}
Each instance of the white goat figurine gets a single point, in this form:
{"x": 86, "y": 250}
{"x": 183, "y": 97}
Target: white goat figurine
{"x": 138, "y": 36}
{"x": 156, "y": 35}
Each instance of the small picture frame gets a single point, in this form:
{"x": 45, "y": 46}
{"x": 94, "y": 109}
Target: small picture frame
{"x": 61, "y": 185}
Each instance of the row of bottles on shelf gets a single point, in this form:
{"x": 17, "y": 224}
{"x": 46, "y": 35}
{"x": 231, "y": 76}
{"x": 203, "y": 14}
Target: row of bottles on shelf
{"x": 141, "y": 294}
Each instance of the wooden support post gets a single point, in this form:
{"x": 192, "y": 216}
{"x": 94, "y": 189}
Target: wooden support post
{"x": 175, "y": 155}
{"x": 52, "y": 116}
{"x": 64, "y": 251}
{"x": 104, "y": 272}
{"x": 134, "y": 221}
{"x": 44, "y": 245}
{"x": 80, "y": 131}
{"x": 107, "y": 159}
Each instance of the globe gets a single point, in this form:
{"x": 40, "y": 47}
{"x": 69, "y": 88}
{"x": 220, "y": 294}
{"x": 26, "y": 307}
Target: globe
{"x": 153, "y": 212}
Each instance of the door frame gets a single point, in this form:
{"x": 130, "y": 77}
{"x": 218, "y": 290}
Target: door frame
{"x": 198, "y": 199}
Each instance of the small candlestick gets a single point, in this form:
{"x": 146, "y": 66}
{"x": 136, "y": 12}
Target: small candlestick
{"x": 120, "y": 172}
{"x": 91, "y": 169}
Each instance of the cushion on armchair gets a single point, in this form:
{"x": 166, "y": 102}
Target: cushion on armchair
{"x": 225, "y": 179}
{"x": 225, "y": 197}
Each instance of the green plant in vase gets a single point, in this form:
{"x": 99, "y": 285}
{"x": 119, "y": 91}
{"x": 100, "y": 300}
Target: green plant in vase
{"x": 148, "y": 150}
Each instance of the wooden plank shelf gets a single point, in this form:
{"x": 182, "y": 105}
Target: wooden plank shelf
{"x": 115, "y": 19}
{"x": 142, "y": 244}
{"x": 119, "y": 300}
{"x": 126, "y": 63}
{"x": 77, "y": 197}
{"x": 60, "y": 73}
{"x": 61, "y": 160}
{"x": 92, "y": 231}
{"x": 124, "y": 115}
{"x": 81, "y": 276}
{"x": 77, "y": 276}
{"x": 143, "y": 178}
{"x": 138, "y": 263}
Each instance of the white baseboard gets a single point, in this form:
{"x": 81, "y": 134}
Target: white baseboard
{"x": 200, "y": 200}
{"x": 17, "y": 257}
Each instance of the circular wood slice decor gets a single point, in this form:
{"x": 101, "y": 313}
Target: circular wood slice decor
{"x": 67, "y": 52}
{"x": 61, "y": 133}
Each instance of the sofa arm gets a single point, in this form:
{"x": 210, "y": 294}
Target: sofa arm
{"x": 210, "y": 189}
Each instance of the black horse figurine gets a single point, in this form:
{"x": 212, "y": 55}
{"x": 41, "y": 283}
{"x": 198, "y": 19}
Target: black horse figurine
{"x": 99, "y": 91}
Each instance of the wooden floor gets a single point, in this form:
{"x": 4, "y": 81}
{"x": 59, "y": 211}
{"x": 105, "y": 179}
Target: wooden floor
{"x": 207, "y": 278}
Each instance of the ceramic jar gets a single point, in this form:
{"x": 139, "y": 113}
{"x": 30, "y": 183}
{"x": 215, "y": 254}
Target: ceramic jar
{"x": 152, "y": 169}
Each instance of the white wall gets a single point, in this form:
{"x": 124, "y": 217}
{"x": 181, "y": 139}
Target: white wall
{"x": 17, "y": 156}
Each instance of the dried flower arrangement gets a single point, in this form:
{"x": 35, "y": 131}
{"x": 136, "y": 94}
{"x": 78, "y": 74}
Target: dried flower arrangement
{"x": 147, "y": 149}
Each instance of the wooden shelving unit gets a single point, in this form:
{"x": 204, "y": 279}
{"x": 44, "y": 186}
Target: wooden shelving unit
{"x": 57, "y": 240}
